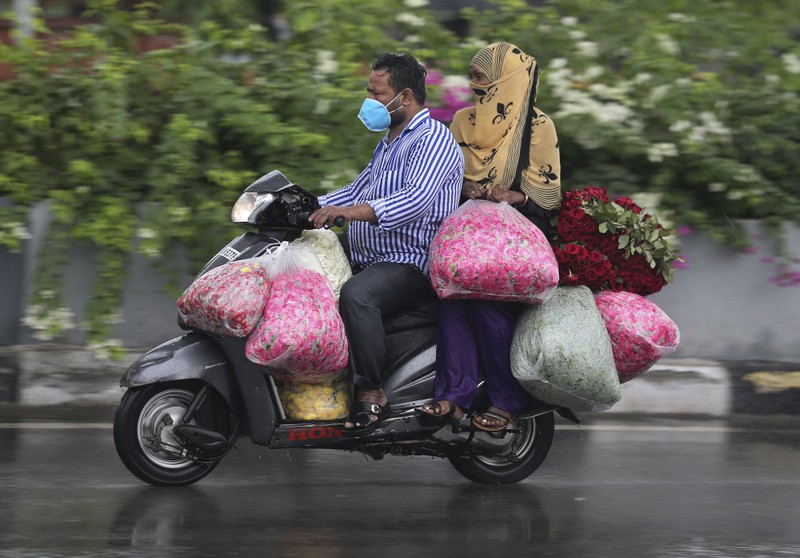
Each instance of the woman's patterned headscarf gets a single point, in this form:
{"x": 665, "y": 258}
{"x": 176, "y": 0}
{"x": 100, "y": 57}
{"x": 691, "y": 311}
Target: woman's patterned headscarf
{"x": 491, "y": 133}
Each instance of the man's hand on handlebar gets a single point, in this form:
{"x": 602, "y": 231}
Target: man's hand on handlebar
{"x": 330, "y": 216}
{"x": 336, "y": 216}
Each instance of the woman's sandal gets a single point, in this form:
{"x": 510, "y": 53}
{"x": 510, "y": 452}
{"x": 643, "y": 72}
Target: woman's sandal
{"x": 492, "y": 414}
{"x": 433, "y": 413}
{"x": 361, "y": 416}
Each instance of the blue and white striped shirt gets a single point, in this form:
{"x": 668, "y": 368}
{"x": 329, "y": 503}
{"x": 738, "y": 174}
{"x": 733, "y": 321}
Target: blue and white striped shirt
{"x": 412, "y": 184}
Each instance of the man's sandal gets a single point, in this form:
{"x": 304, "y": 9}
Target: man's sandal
{"x": 492, "y": 421}
{"x": 361, "y": 415}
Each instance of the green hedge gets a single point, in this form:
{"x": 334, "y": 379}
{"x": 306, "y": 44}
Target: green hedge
{"x": 693, "y": 103}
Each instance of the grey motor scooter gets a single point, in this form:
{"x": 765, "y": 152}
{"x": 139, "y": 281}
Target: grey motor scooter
{"x": 189, "y": 399}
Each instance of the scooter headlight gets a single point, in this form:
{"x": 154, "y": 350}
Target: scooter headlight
{"x": 249, "y": 205}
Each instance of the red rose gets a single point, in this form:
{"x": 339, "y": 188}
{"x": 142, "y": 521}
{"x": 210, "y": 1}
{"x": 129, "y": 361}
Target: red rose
{"x": 569, "y": 280}
{"x": 628, "y": 204}
{"x": 588, "y": 257}
{"x": 599, "y": 193}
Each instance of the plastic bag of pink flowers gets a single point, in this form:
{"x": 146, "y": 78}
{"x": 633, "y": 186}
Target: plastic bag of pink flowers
{"x": 641, "y": 333}
{"x": 301, "y": 335}
{"x": 490, "y": 251}
{"x": 228, "y": 299}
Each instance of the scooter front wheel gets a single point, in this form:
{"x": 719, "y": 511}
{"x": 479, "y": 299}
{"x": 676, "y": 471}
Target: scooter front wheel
{"x": 144, "y": 437}
{"x": 525, "y": 450}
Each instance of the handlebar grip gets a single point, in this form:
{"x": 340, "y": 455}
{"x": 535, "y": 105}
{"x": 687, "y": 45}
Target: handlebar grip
{"x": 338, "y": 222}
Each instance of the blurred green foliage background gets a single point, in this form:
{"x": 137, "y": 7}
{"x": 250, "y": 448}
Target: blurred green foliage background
{"x": 142, "y": 126}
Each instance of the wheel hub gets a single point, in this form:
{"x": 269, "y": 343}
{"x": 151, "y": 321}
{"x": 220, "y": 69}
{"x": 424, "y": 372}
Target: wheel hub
{"x": 156, "y": 423}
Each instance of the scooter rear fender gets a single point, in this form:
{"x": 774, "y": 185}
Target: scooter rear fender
{"x": 189, "y": 357}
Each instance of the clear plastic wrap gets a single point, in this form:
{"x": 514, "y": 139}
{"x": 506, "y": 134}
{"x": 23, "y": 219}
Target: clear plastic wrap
{"x": 641, "y": 333}
{"x": 301, "y": 335}
{"x": 487, "y": 250}
{"x": 328, "y": 400}
{"x": 328, "y": 250}
{"x": 561, "y": 352}
{"x": 227, "y": 300}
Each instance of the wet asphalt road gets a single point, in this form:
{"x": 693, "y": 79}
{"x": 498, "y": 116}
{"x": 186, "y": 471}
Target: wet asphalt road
{"x": 666, "y": 489}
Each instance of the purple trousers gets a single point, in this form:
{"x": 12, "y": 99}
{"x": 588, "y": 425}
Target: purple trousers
{"x": 474, "y": 342}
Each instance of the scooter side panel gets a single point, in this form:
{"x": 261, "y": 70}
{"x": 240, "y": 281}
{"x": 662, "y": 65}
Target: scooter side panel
{"x": 188, "y": 357}
{"x": 411, "y": 382}
{"x": 411, "y": 355}
{"x": 258, "y": 395}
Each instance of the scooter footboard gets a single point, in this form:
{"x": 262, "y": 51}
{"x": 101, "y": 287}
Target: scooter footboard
{"x": 189, "y": 357}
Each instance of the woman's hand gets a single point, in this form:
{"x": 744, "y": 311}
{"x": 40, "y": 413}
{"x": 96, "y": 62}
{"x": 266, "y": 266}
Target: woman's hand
{"x": 472, "y": 190}
{"x": 499, "y": 194}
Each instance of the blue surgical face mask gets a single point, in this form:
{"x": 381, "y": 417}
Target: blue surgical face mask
{"x": 374, "y": 114}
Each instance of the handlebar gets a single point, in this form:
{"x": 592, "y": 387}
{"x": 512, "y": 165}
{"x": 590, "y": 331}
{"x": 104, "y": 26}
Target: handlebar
{"x": 338, "y": 222}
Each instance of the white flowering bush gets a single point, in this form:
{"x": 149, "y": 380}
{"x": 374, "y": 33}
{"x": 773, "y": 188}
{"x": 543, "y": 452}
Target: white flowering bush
{"x": 686, "y": 99}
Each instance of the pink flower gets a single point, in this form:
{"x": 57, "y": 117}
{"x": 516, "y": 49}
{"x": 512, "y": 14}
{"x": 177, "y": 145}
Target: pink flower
{"x": 786, "y": 279}
{"x": 434, "y": 77}
{"x": 442, "y": 114}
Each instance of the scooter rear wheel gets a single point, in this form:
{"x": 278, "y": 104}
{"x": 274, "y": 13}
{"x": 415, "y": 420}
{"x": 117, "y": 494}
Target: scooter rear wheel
{"x": 143, "y": 432}
{"x": 526, "y": 451}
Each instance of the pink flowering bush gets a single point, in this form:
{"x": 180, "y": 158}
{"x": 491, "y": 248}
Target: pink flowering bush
{"x": 487, "y": 250}
{"x": 301, "y": 335}
{"x": 227, "y": 300}
{"x": 447, "y": 95}
{"x": 641, "y": 333}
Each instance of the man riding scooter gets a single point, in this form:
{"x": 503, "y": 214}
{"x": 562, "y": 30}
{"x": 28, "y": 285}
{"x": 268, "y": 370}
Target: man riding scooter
{"x": 394, "y": 208}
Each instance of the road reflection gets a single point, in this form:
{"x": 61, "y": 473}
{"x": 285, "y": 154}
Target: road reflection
{"x": 663, "y": 491}
{"x": 464, "y": 518}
